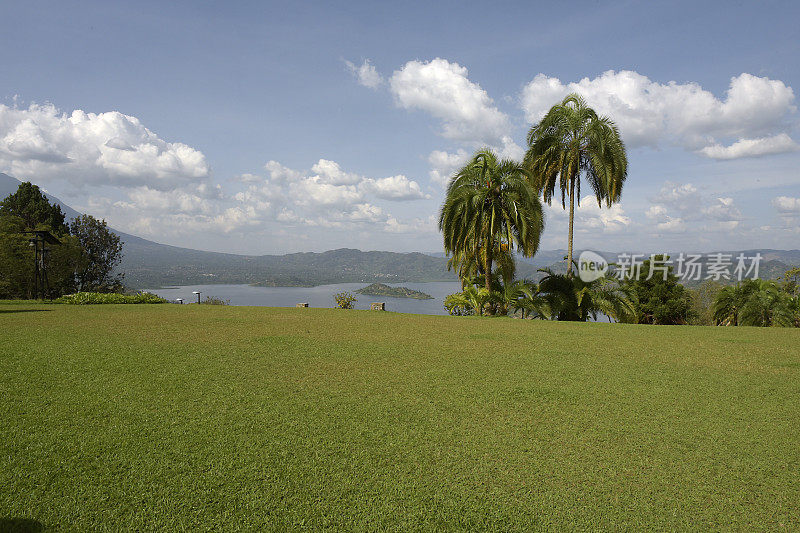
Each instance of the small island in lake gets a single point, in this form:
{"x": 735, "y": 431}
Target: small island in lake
{"x": 379, "y": 289}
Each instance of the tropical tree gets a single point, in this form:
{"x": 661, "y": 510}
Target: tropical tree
{"x": 571, "y": 141}
{"x": 791, "y": 281}
{"x": 660, "y": 298}
{"x": 102, "y": 253}
{"x": 472, "y": 300}
{"x": 702, "y": 300}
{"x": 755, "y": 302}
{"x": 728, "y": 304}
{"x": 571, "y": 298}
{"x": 529, "y": 300}
{"x": 30, "y": 205}
{"x": 28, "y": 209}
{"x": 767, "y": 305}
{"x": 468, "y": 264}
{"x": 490, "y": 205}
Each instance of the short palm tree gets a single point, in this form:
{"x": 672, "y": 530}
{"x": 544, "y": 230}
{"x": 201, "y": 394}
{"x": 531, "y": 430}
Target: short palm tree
{"x": 571, "y": 298}
{"x": 470, "y": 299}
{"x": 529, "y": 300}
{"x": 728, "y": 304}
{"x": 767, "y": 305}
{"x": 572, "y": 140}
{"x": 755, "y": 302}
{"x": 490, "y": 204}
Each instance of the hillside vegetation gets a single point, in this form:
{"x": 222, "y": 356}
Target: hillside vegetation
{"x": 172, "y": 417}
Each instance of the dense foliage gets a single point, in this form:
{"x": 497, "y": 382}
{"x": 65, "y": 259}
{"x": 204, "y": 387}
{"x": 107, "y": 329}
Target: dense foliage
{"x": 102, "y": 251}
{"x": 660, "y": 299}
{"x": 758, "y": 303}
{"x": 213, "y": 300}
{"x": 702, "y": 298}
{"x": 87, "y": 298}
{"x": 34, "y": 209}
{"x": 84, "y": 259}
{"x": 571, "y": 298}
{"x": 26, "y": 210}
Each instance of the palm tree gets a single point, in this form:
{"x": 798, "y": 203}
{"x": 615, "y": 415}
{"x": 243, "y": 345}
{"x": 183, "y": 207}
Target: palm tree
{"x": 470, "y": 299}
{"x": 572, "y": 140}
{"x": 469, "y": 265}
{"x": 728, "y": 304}
{"x": 755, "y": 302}
{"x": 490, "y": 203}
{"x": 571, "y": 298}
{"x": 767, "y": 305}
{"x": 528, "y": 299}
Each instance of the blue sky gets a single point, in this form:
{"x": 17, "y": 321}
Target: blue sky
{"x": 271, "y": 127}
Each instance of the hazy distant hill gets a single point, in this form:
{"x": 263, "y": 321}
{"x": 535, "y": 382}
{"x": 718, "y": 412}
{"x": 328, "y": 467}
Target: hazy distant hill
{"x": 150, "y": 264}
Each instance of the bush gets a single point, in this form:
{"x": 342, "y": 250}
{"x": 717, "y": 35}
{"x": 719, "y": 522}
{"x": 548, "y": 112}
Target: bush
{"x": 85, "y": 298}
{"x": 344, "y": 300}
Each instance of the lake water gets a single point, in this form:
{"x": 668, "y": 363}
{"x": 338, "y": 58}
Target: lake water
{"x": 320, "y": 296}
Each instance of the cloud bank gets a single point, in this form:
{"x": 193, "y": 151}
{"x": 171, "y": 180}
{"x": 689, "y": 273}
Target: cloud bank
{"x": 755, "y": 111}
{"x": 42, "y": 143}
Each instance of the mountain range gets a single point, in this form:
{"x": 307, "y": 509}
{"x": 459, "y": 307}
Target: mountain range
{"x": 148, "y": 264}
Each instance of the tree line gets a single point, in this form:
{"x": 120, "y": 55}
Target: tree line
{"x": 493, "y": 210}
{"x": 84, "y": 260}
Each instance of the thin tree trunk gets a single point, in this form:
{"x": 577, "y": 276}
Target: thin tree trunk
{"x": 571, "y": 222}
{"x": 488, "y": 261}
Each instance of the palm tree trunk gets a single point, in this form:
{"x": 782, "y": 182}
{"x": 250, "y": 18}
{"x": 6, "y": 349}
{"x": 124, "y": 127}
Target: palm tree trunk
{"x": 571, "y": 223}
{"x": 488, "y": 261}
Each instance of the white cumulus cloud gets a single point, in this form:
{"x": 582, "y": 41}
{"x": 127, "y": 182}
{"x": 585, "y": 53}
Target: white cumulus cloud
{"x": 330, "y": 172}
{"x": 445, "y": 164}
{"x": 444, "y": 90}
{"x": 394, "y": 188}
{"x": 326, "y": 196}
{"x": 41, "y": 143}
{"x": 754, "y": 111}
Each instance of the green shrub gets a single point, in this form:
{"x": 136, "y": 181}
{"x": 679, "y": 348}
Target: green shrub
{"x": 344, "y": 300}
{"x": 85, "y": 298}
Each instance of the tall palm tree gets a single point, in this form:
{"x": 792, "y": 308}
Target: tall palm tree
{"x": 572, "y": 140}
{"x": 468, "y": 264}
{"x": 490, "y": 203}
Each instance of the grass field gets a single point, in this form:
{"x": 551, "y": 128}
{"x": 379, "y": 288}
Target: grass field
{"x": 204, "y": 417}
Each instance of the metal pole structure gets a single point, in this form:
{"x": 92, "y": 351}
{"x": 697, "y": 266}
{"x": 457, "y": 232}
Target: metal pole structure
{"x": 41, "y": 283}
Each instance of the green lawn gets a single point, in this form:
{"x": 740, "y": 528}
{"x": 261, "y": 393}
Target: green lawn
{"x": 208, "y": 417}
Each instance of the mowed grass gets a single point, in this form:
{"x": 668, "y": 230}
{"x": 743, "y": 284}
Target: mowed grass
{"x": 204, "y": 417}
